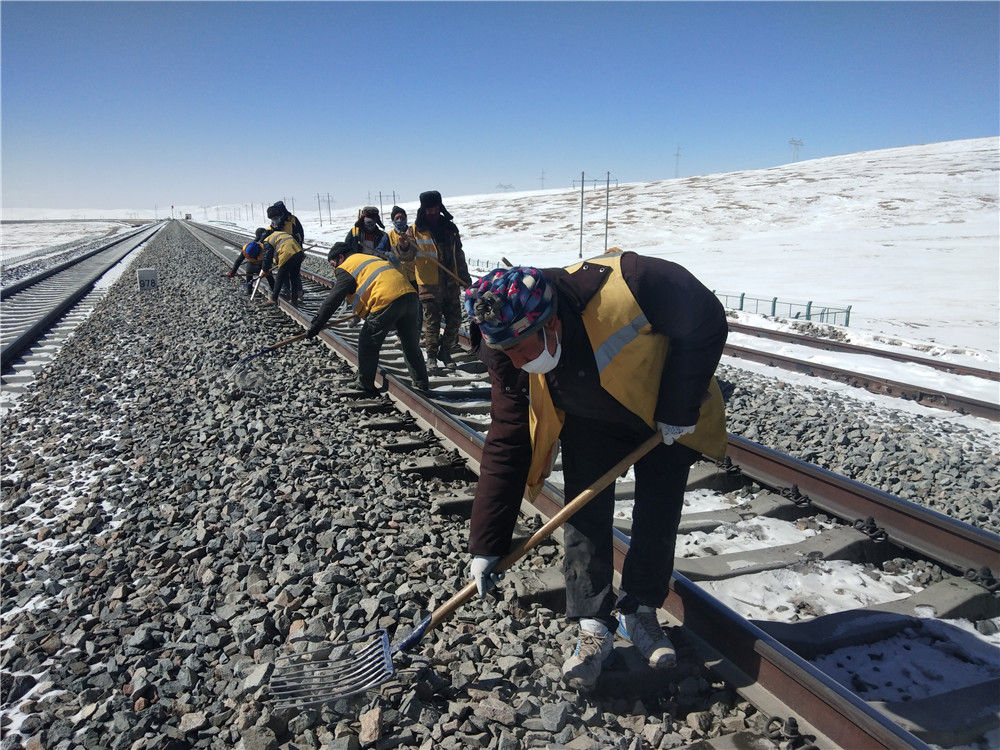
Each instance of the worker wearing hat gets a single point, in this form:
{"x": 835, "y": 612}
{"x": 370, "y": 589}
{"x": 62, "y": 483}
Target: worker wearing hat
{"x": 368, "y": 233}
{"x": 441, "y": 274}
{"x": 283, "y": 221}
{"x": 597, "y": 357}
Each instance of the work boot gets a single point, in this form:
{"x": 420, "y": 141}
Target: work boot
{"x": 643, "y": 629}
{"x": 368, "y": 390}
{"x": 593, "y": 646}
{"x": 446, "y": 360}
{"x": 422, "y": 385}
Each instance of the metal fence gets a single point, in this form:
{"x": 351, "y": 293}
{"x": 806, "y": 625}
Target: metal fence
{"x": 483, "y": 263}
{"x": 780, "y": 309}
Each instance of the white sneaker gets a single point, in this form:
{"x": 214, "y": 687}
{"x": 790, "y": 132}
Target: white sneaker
{"x": 643, "y": 629}
{"x": 593, "y": 646}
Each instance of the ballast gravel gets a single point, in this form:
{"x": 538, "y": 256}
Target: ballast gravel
{"x": 167, "y": 536}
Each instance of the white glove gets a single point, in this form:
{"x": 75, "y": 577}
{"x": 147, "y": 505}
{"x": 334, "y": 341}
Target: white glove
{"x": 671, "y": 432}
{"x": 481, "y": 569}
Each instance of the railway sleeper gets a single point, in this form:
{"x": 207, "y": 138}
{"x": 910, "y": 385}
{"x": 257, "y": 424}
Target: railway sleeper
{"x": 833, "y": 544}
{"x": 448, "y": 468}
{"x": 951, "y": 598}
{"x": 765, "y": 504}
{"x": 957, "y": 717}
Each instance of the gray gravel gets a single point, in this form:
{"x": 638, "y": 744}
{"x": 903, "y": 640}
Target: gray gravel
{"x": 166, "y": 537}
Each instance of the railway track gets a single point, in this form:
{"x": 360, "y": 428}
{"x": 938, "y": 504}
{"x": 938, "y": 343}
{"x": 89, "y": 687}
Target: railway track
{"x": 785, "y": 667}
{"x": 33, "y": 306}
{"x": 841, "y": 346}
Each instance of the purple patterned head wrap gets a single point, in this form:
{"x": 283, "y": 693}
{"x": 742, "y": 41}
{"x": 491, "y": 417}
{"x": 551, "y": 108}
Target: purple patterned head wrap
{"x": 510, "y": 304}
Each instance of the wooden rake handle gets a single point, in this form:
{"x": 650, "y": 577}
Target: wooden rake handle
{"x": 448, "y": 608}
{"x": 451, "y": 273}
{"x": 291, "y": 340}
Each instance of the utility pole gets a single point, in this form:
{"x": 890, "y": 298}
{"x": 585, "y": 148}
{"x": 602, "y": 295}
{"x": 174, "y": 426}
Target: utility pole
{"x": 796, "y": 144}
{"x": 380, "y": 203}
{"x": 607, "y": 204}
{"x": 677, "y": 162}
{"x": 329, "y": 212}
{"x": 581, "y": 214}
{"x": 319, "y": 209}
{"x": 542, "y": 179}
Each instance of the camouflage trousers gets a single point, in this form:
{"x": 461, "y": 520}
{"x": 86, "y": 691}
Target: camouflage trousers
{"x": 437, "y": 309}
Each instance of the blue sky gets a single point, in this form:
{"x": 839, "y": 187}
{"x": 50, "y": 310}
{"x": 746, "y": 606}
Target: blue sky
{"x": 122, "y": 105}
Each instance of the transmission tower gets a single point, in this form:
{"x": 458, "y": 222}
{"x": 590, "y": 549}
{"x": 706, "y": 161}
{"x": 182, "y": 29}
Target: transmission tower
{"x": 542, "y": 179}
{"x": 796, "y": 144}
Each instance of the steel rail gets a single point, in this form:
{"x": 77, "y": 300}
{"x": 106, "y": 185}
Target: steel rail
{"x": 841, "y": 346}
{"x": 924, "y": 396}
{"x": 17, "y": 346}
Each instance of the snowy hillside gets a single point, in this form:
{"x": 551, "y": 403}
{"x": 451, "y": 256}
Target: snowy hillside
{"x": 909, "y": 237}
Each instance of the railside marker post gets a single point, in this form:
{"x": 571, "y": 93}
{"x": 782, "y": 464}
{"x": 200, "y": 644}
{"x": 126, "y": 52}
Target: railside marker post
{"x": 146, "y": 278}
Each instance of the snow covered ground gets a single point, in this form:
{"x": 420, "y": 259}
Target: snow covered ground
{"x": 19, "y": 240}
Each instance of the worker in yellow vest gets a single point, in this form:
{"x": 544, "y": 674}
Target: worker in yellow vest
{"x": 384, "y": 298}
{"x": 441, "y": 274}
{"x": 283, "y": 221}
{"x": 597, "y": 357}
{"x": 285, "y": 253}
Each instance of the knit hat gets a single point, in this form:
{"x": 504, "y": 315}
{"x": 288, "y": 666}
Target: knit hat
{"x": 372, "y": 212}
{"x": 339, "y": 248}
{"x": 261, "y": 233}
{"x": 276, "y": 210}
{"x": 430, "y": 198}
{"x": 252, "y": 250}
{"x": 395, "y": 211}
{"x": 510, "y": 304}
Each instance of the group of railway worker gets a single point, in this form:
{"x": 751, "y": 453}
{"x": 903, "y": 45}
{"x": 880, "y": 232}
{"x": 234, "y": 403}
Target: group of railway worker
{"x": 393, "y": 279}
{"x": 593, "y": 359}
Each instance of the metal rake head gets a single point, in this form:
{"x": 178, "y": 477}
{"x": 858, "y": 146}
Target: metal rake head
{"x": 241, "y": 375}
{"x": 331, "y": 672}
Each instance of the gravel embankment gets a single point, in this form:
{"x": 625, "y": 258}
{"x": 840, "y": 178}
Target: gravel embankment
{"x": 165, "y": 538}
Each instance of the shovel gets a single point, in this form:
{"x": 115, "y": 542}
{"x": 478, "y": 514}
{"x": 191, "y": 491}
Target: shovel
{"x": 334, "y": 672}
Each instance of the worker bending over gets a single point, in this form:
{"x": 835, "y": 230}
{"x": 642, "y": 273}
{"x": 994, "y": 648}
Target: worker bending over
{"x": 384, "y": 298}
{"x": 597, "y": 356}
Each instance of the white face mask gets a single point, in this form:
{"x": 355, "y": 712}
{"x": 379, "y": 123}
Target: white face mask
{"x": 544, "y": 362}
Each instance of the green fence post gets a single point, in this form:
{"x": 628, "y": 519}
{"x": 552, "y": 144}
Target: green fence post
{"x": 809, "y": 307}
{"x": 847, "y": 318}
{"x": 774, "y": 305}
{"x": 742, "y": 295}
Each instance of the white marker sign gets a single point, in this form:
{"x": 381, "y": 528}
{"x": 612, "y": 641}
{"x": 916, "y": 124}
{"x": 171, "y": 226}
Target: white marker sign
{"x": 147, "y": 278}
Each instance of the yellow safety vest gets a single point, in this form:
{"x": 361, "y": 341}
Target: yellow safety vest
{"x": 630, "y": 358}
{"x": 285, "y": 246}
{"x": 425, "y": 265}
{"x": 379, "y": 284}
{"x": 406, "y": 267}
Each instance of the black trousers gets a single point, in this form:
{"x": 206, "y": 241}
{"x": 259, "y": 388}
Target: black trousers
{"x": 589, "y": 448}
{"x": 291, "y": 275}
{"x": 401, "y": 315}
